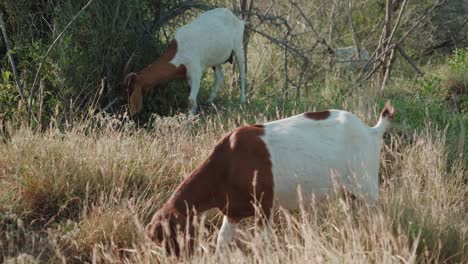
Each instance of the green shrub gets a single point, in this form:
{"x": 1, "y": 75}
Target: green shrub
{"x": 9, "y": 97}
{"x": 456, "y": 81}
{"x": 93, "y": 50}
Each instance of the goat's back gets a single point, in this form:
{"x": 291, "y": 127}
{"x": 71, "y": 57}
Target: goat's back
{"x": 321, "y": 154}
{"x": 210, "y": 38}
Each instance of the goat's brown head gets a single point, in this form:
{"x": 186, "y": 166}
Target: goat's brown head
{"x": 164, "y": 229}
{"x": 134, "y": 92}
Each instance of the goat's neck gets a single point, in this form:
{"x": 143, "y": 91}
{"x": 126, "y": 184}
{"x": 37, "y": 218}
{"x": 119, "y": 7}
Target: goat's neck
{"x": 156, "y": 73}
{"x": 202, "y": 189}
{"x": 162, "y": 69}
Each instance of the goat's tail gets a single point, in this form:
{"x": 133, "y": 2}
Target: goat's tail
{"x": 386, "y": 117}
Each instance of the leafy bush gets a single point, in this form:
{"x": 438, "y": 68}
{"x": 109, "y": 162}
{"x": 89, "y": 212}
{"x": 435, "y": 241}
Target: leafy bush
{"x": 85, "y": 66}
{"x": 9, "y": 97}
{"x": 456, "y": 82}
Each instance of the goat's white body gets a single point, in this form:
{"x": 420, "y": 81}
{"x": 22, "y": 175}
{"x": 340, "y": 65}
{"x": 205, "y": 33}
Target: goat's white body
{"x": 313, "y": 160}
{"x": 209, "y": 41}
{"x": 319, "y": 157}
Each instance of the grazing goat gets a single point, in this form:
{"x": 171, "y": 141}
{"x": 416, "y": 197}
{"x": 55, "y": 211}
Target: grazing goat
{"x": 208, "y": 41}
{"x": 322, "y": 153}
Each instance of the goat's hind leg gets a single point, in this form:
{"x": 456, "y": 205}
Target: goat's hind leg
{"x": 194, "y": 78}
{"x": 240, "y": 60}
{"x": 217, "y": 83}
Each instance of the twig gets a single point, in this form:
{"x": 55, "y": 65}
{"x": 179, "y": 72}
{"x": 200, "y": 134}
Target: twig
{"x": 371, "y": 60}
{"x": 12, "y": 61}
{"x": 41, "y": 102}
{"x": 439, "y": 4}
{"x": 408, "y": 59}
{"x": 274, "y": 20}
{"x": 385, "y": 40}
{"x": 281, "y": 44}
{"x": 331, "y": 22}
{"x": 110, "y": 104}
{"x": 388, "y": 67}
{"x": 350, "y": 18}
{"x": 395, "y": 27}
{"x": 305, "y": 18}
{"x": 246, "y": 17}
{"x": 47, "y": 53}
{"x": 116, "y": 15}
{"x": 372, "y": 72}
{"x": 310, "y": 25}
{"x": 301, "y": 76}
{"x": 181, "y": 9}
{"x": 387, "y": 34}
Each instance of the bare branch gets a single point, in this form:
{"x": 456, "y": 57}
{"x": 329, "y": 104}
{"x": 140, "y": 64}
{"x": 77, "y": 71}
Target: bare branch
{"x": 386, "y": 40}
{"x": 246, "y": 17}
{"x": 181, "y": 9}
{"x": 395, "y": 27}
{"x": 350, "y": 18}
{"x": 310, "y": 25}
{"x": 439, "y": 4}
{"x": 109, "y": 105}
{"x": 281, "y": 43}
{"x": 331, "y": 21}
{"x": 305, "y": 18}
{"x": 41, "y": 102}
{"x": 407, "y": 58}
{"x": 388, "y": 68}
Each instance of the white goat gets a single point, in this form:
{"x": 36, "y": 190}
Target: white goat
{"x": 208, "y": 41}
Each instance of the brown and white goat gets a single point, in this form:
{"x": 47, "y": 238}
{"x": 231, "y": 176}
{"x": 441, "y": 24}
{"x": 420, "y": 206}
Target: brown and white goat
{"x": 208, "y": 41}
{"x": 318, "y": 152}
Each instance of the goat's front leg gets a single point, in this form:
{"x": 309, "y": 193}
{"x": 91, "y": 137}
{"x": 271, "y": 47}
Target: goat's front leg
{"x": 194, "y": 75}
{"x": 226, "y": 233}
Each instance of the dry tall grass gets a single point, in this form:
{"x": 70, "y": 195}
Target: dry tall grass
{"x": 84, "y": 194}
